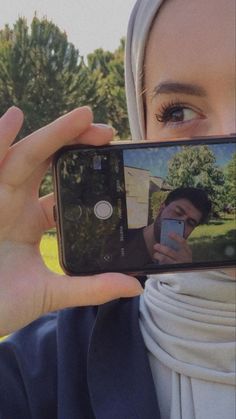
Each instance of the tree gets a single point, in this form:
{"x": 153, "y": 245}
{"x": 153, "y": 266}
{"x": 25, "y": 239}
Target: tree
{"x": 44, "y": 74}
{"x": 108, "y": 70}
{"x": 230, "y": 181}
{"x": 157, "y": 199}
{"x": 41, "y": 72}
{"x": 196, "y": 167}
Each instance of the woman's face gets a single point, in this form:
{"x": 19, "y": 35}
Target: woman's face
{"x": 190, "y": 70}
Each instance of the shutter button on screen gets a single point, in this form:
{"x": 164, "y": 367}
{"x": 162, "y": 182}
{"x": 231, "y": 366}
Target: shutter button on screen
{"x": 103, "y": 210}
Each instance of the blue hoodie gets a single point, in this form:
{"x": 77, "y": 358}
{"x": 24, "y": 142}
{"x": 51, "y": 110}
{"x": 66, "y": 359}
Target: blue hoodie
{"x": 81, "y": 363}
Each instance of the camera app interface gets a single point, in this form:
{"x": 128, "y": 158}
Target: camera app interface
{"x": 93, "y": 209}
{"x": 132, "y": 209}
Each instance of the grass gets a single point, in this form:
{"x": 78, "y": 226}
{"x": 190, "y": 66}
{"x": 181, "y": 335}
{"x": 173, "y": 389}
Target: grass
{"x": 49, "y": 252}
{"x": 214, "y": 241}
{"x": 214, "y": 228}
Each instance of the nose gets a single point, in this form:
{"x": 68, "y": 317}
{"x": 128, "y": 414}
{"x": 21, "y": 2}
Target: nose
{"x": 187, "y": 231}
{"x": 187, "y": 228}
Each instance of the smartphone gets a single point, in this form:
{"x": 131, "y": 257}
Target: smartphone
{"x": 169, "y": 226}
{"x": 110, "y": 199}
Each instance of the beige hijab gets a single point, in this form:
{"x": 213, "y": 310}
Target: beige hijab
{"x": 188, "y": 325}
{"x": 187, "y": 320}
{"x": 138, "y": 29}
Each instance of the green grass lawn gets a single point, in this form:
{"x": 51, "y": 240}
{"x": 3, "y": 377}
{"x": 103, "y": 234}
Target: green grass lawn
{"x": 214, "y": 228}
{"x": 49, "y": 251}
{"x": 214, "y": 240}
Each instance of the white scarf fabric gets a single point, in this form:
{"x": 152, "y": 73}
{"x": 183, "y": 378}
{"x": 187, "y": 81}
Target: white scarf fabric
{"x": 188, "y": 324}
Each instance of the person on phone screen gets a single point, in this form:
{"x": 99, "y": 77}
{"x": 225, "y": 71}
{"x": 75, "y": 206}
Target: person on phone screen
{"x": 169, "y": 353}
{"x": 189, "y": 205}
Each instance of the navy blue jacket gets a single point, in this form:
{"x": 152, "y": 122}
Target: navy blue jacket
{"x": 81, "y": 363}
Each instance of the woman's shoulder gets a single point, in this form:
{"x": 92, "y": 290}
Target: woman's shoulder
{"x": 33, "y": 360}
{"x": 50, "y": 331}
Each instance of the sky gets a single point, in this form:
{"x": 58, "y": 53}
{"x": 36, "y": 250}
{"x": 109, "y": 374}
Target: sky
{"x": 89, "y": 24}
{"x": 156, "y": 160}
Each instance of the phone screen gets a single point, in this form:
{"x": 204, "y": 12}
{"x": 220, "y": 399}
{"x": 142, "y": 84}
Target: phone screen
{"x": 168, "y": 227}
{"x": 111, "y": 201}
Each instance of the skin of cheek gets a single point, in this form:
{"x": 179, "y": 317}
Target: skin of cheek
{"x": 207, "y": 59}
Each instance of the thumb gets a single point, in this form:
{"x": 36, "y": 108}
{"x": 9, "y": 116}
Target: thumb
{"x": 69, "y": 291}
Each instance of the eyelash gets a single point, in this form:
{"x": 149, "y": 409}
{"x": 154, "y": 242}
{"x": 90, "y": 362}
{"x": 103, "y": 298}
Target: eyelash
{"x": 167, "y": 110}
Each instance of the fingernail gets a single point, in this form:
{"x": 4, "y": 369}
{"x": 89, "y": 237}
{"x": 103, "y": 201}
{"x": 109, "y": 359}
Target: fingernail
{"x": 105, "y": 126}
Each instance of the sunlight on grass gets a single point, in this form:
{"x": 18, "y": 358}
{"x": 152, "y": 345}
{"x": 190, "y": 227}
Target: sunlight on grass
{"x": 213, "y": 229}
{"x": 49, "y": 252}
{"x": 214, "y": 241}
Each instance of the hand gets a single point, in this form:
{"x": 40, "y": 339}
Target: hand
{"x": 27, "y": 288}
{"x": 166, "y": 255}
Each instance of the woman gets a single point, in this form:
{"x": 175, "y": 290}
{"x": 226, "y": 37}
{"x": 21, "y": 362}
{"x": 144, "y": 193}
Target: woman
{"x": 169, "y": 353}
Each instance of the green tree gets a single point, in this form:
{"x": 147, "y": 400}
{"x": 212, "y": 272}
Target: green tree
{"x": 230, "y": 182}
{"x": 107, "y": 69}
{"x": 156, "y": 200}
{"x": 196, "y": 166}
{"x": 41, "y": 72}
{"x": 44, "y": 74}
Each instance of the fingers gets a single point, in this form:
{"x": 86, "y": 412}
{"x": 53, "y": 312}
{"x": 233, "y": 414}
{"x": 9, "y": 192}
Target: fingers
{"x": 10, "y": 125}
{"x": 167, "y": 255}
{"x": 64, "y": 291}
{"x": 177, "y": 238}
{"x": 28, "y": 154}
{"x": 163, "y": 259}
{"x": 184, "y": 248}
{"x": 96, "y": 134}
{"x": 164, "y": 254}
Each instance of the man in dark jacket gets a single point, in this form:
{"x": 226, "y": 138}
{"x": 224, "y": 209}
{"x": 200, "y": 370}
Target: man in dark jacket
{"x": 143, "y": 246}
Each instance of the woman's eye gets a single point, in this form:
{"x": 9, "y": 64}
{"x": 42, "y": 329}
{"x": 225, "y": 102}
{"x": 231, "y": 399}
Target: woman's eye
{"x": 176, "y": 114}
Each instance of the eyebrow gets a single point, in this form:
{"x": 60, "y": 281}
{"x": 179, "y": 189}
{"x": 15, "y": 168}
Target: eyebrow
{"x": 169, "y": 87}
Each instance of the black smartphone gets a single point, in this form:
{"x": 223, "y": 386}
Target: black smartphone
{"x": 112, "y": 200}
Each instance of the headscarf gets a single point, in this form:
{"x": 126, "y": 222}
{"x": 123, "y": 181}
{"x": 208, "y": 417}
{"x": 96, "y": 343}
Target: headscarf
{"x": 187, "y": 320}
{"x": 138, "y": 29}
